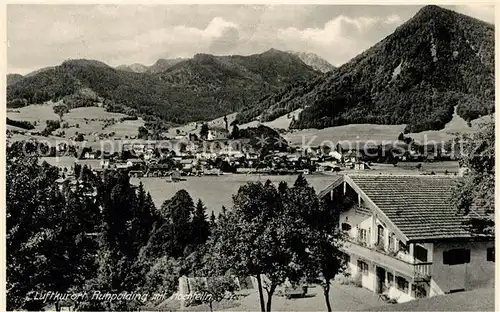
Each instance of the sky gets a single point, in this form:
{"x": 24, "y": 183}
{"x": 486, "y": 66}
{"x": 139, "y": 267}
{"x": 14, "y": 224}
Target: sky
{"x": 46, "y": 35}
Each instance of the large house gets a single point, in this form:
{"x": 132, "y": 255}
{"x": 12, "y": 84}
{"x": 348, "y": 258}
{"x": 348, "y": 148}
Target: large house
{"x": 406, "y": 240}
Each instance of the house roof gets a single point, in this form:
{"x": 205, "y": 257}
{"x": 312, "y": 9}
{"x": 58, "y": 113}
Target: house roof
{"x": 134, "y": 160}
{"x": 419, "y": 206}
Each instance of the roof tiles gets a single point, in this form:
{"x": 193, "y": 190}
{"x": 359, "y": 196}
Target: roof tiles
{"x": 419, "y": 206}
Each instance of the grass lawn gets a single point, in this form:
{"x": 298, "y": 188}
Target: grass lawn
{"x": 474, "y": 300}
{"x": 342, "y": 298}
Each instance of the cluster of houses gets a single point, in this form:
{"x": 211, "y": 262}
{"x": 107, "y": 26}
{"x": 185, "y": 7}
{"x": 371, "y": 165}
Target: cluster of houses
{"x": 147, "y": 159}
{"x": 143, "y": 158}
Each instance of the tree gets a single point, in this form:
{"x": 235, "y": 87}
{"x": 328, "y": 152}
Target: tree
{"x": 200, "y": 225}
{"x": 204, "y": 131}
{"x": 214, "y": 288}
{"x": 143, "y": 133}
{"x": 60, "y": 110}
{"x": 80, "y": 137}
{"x": 212, "y": 220}
{"x": 225, "y": 122}
{"x": 142, "y": 218}
{"x": 172, "y": 233}
{"x": 162, "y": 276}
{"x": 474, "y": 196}
{"x": 264, "y": 242}
{"x": 47, "y": 240}
{"x": 235, "y": 132}
{"x": 325, "y": 259}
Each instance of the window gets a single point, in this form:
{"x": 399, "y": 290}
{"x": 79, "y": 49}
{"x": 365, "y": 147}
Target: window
{"x": 403, "y": 247}
{"x": 420, "y": 253}
{"x": 456, "y": 256}
{"x": 402, "y": 284}
{"x": 363, "y": 267}
{"x": 346, "y": 227}
{"x": 490, "y": 254}
{"x": 380, "y": 234}
{"x": 362, "y": 236}
{"x": 418, "y": 291}
{"x": 390, "y": 279}
{"x": 392, "y": 237}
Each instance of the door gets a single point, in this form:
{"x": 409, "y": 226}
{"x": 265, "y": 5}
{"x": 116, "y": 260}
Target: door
{"x": 380, "y": 233}
{"x": 380, "y": 280}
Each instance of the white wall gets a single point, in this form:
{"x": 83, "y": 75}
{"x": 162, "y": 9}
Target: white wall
{"x": 476, "y": 274}
{"x": 367, "y": 281}
{"x": 357, "y": 221}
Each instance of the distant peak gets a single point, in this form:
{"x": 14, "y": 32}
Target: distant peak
{"x": 432, "y": 10}
{"x": 83, "y": 62}
{"x": 273, "y": 50}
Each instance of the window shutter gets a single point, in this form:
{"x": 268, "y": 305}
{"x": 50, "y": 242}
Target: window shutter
{"x": 490, "y": 254}
{"x": 446, "y": 257}
{"x": 467, "y": 256}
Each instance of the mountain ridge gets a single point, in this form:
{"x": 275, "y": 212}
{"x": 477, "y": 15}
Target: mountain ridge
{"x": 314, "y": 60}
{"x": 201, "y": 88}
{"x": 435, "y": 61}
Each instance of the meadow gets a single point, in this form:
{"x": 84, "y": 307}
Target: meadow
{"x": 217, "y": 191}
{"x": 379, "y": 133}
{"x": 86, "y": 120}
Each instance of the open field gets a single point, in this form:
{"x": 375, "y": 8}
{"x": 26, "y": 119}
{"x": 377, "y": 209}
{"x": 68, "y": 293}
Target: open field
{"x": 353, "y": 133}
{"x": 192, "y": 128}
{"x": 90, "y": 120}
{"x": 410, "y": 168}
{"x": 284, "y": 121}
{"x": 379, "y": 133}
{"x": 217, "y": 191}
{"x": 456, "y": 125}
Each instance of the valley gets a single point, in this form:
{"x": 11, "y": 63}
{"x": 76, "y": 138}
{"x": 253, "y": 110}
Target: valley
{"x": 195, "y": 158}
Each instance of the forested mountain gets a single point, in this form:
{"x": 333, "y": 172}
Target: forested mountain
{"x": 136, "y": 68}
{"x": 415, "y": 76}
{"x": 201, "y": 88}
{"x": 13, "y": 78}
{"x": 315, "y": 61}
{"x": 158, "y": 67}
{"x": 163, "y": 64}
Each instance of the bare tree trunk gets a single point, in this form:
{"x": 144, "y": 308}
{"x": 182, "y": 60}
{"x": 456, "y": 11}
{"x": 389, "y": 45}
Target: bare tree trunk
{"x": 326, "y": 291}
{"x": 211, "y": 308}
{"x": 270, "y": 293}
{"x": 261, "y": 295}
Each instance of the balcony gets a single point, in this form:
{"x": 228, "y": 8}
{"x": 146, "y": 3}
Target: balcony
{"x": 422, "y": 271}
{"x": 403, "y": 263}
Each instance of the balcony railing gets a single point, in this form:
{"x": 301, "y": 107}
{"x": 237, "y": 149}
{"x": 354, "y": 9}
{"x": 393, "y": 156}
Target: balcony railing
{"x": 360, "y": 241}
{"x": 422, "y": 270}
{"x": 380, "y": 247}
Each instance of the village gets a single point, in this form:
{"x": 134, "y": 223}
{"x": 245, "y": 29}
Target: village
{"x": 190, "y": 156}
{"x": 250, "y": 158}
